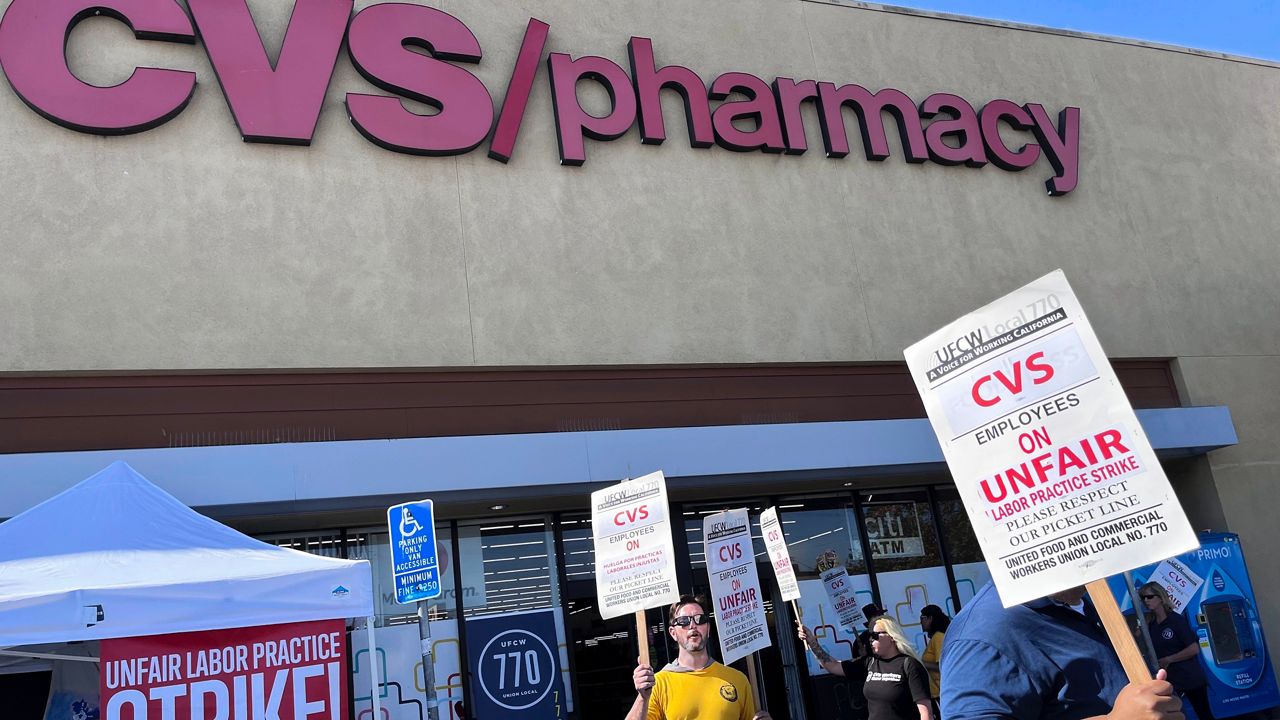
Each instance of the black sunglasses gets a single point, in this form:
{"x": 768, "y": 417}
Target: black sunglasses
{"x": 687, "y": 620}
{"x": 1148, "y": 597}
{"x": 879, "y": 635}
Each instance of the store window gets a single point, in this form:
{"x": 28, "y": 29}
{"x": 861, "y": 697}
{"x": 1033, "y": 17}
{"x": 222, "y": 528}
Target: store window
{"x": 327, "y": 544}
{"x": 515, "y": 557}
{"x": 969, "y": 568}
{"x": 906, "y": 556}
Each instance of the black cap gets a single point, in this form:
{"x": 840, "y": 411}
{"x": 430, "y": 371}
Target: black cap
{"x": 872, "y": 610}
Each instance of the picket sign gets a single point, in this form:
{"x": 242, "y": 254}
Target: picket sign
{"x": 780, "y": 558}
{"x": 635, "y": 557}
{"x": 1056, "y": 474}
{"x": 741, "y": 624}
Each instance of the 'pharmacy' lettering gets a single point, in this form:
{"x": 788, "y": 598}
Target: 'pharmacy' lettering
{"x": 281, "y": 103}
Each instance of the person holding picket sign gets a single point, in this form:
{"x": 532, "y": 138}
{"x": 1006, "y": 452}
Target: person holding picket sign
{"x": 695, "y": 685}
{"x": 892, "y": 677}
{"x": 1047, "y": 659}
{"x": 1177, "y": 648}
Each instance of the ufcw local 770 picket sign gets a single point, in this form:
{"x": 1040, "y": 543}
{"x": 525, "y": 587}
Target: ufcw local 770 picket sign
{"x": 840, "y": 591}
{"x": 776, "y": 542}
{"x": 635, "y": 559}
{"x": 1058, "y": 478}
{"x": 295, "y": 671}
{"x": 735, "y": 585}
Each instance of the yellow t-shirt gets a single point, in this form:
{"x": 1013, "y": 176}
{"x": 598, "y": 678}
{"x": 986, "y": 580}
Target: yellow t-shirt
{"x": 716, "y": 692}
{"x": 933, "y": 654}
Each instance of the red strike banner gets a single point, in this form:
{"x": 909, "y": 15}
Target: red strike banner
{"x": 296, "y": 671}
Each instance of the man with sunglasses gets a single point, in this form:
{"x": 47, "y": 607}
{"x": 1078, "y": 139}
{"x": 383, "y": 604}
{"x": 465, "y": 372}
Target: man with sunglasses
{"x": 694, "y": 685}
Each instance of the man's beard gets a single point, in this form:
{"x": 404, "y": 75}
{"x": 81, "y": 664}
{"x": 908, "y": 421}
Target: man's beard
{"x": 696, "y": 644}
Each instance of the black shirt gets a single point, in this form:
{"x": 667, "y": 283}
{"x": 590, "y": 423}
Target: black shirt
{"x": 892, "y": 687}
{"x": 1169, "y": 637}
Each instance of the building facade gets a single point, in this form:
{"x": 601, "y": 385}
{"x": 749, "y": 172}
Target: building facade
{"x": 501, "y": 255}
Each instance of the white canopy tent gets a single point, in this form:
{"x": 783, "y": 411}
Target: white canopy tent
{"x": 117, "y": 546}
{"x": 116, "y": 556}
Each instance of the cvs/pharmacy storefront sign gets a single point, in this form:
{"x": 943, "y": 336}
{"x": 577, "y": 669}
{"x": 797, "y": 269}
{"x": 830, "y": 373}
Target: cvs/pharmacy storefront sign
{"x": 281, "y": 103}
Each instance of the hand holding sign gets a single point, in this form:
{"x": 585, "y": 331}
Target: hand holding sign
{"x": 1152, "y": 698}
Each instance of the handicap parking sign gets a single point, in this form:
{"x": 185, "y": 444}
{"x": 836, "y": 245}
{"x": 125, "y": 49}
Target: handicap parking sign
{"x": 415, "y": 569}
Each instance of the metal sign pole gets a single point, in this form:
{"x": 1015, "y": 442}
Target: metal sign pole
{"x": 1140, "y": 624}
{"x": 428, "y": 666}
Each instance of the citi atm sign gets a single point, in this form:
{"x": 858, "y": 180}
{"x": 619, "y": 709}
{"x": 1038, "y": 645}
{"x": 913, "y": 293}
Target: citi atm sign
{"x": 738, "y": 111}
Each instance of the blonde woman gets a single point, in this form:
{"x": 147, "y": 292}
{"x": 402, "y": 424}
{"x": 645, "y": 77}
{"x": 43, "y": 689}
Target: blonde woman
{"x": 1177, "y": 648}
{"x": 892, "y": 678}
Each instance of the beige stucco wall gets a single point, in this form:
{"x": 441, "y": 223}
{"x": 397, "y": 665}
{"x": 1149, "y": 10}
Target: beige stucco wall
{"x": 1246, "y": 476}
{"x": 185, "y": 248}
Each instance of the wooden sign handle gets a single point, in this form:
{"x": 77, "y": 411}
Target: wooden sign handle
{"x": 751, "y": 678}
{"x": 1135, "y": 666}
{"x": 642, "y": 637}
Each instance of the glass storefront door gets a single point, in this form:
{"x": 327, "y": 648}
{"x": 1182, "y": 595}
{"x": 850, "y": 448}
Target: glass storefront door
{"x": 906, "y": 556}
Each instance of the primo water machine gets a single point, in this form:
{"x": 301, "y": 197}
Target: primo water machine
{"x": 1213, "y": 586}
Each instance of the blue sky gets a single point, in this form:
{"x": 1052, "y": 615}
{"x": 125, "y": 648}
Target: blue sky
{"x": 1240, "y": 27}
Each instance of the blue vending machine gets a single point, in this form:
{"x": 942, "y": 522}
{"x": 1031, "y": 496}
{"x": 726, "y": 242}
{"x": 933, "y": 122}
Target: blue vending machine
{"x": 1212, "y": 584}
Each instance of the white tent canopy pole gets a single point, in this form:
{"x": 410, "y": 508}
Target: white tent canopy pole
{"x": 373, "y": 671}
{"x": 47, "y": 656}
